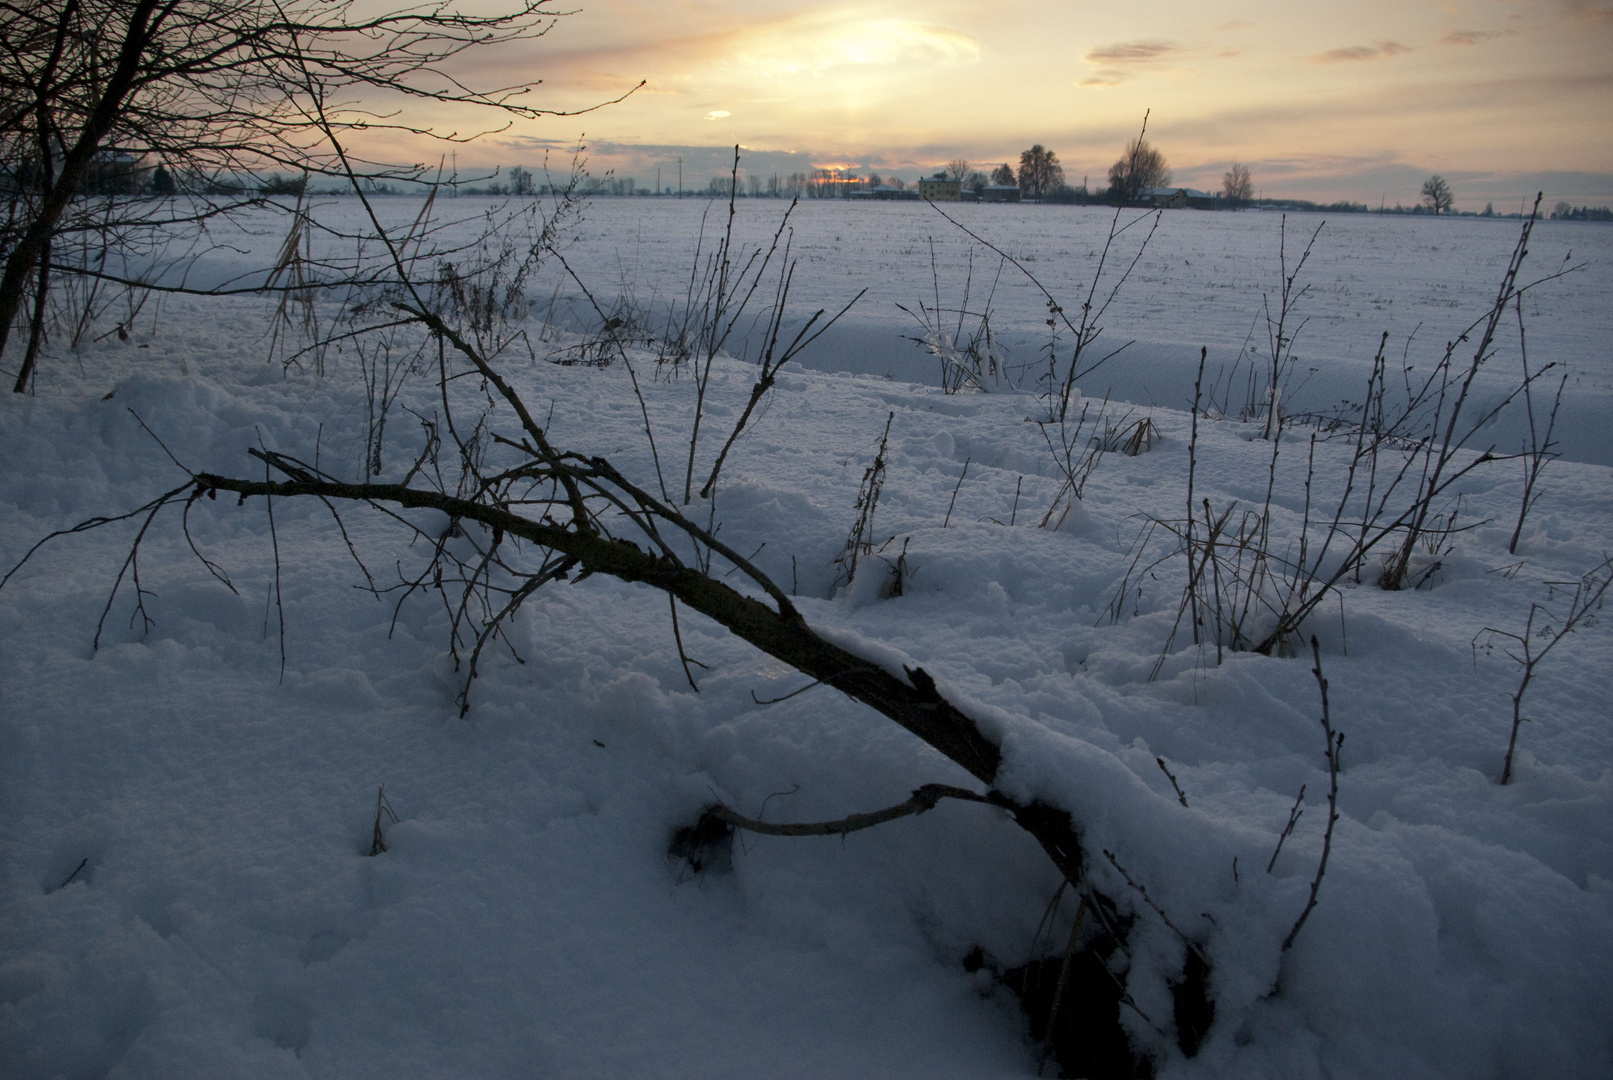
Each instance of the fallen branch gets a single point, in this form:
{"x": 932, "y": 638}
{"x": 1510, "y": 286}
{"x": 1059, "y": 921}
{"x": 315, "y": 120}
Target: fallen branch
{"x": 924, "y": 798}
{"x": 915, "y": 703}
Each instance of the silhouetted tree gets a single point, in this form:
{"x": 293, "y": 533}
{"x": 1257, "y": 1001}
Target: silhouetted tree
{"x": 1437, "y": 194}
{"x": 1237, "y": 187}
{"x": 958, "y": 169}
{"x": 1141, "y": 167}
{"x": 1039, "y": 172}
{"x": 213, "y": 87}
{"x": 293, "y": 186}
{"x": 1002, "y": 174}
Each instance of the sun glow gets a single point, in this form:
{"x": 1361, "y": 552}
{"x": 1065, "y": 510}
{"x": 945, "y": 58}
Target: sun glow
{"x": 841, "y": 44}
{"x": 1384, "y": 94}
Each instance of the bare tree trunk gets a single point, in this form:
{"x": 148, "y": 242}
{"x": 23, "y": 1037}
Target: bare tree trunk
{"x": 36, "y": 328}
{"x": 35, "y": 241}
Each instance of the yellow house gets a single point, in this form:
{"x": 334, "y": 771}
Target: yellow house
{"x": 939, "y": 189}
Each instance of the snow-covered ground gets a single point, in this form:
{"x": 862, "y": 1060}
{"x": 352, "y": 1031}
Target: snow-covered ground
{"x": 212, "y": 819}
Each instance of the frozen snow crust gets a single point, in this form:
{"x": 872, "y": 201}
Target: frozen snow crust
{"x": 225, "y": 918}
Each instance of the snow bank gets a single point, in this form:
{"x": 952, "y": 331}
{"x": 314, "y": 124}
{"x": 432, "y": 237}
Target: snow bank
{"x": 186, "y": 890}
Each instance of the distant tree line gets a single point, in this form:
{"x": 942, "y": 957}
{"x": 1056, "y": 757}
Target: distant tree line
{"x": 1136, "y": 174}
{"x": 1564, "y": 212}
{"x": 135, "y": 174}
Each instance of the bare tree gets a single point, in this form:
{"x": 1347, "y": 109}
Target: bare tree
{"x": 958, "y": 169}
{"x": 1237, "y": 187}
{"x": 210, "y": 89}
{"x": 1039, "y": 172}
{"x": 522, "y": 182}
{"x": 1140, "y": 168}
{"x": 1437, "y": 194}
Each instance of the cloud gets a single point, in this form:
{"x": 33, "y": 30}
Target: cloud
{"x": 1105, "y": 78}
{"x": 1376, "y": 51}
{"x": 1594, "y": 13}
{"x": 718, "y": 114}
{"x": 1472, "y": 37}
{"x": 811, "y": 45}
{"x": 1113, "y": 60}
{"x": 1132, "y": 52}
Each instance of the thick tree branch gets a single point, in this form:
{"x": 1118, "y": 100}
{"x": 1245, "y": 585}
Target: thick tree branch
{"x": 917, "y": 706}
{"x": 915, "y": 703}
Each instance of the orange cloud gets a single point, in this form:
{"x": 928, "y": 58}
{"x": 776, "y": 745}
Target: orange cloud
{"x": 1591, "y": 12}
{"x": 1132, "y": 52}
{"x": 1112, "y": 60}
{"x": 1472, "y": 37}
{"x": 1375, "y": 51}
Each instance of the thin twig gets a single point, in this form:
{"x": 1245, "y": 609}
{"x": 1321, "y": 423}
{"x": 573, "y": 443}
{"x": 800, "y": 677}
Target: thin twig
{"x": 677, "y": 636}
{"x": 382, "y": 808}
{"x": 816, "y": 682}
{"x": 924, "y": 798}
{"x": 74, "y": 874}
{"x": 1295, "y": 812}
{"x": 1142, "y": 890}
{"x": 1333, "y": 744}
{"x": 279, "y": 601}
{"x": 1064, "y": 968}
{"x": 955, "y": 488}
{"x": 1172, "y": 778}
{"x": 1588, "y": 593}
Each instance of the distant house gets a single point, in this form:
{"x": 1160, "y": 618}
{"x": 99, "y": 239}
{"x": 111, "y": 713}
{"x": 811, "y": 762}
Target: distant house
{"x": 1180, "y": 198}
{"x": 938, "y": 188}
{"x": 1000, "y": 193}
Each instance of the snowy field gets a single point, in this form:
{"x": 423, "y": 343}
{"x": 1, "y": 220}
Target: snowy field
{"x": 186, "y": 888}
{"x": 1203, "y": 281}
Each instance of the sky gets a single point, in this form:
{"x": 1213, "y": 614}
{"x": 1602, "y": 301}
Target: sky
{"x": 1360, "y": 101}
